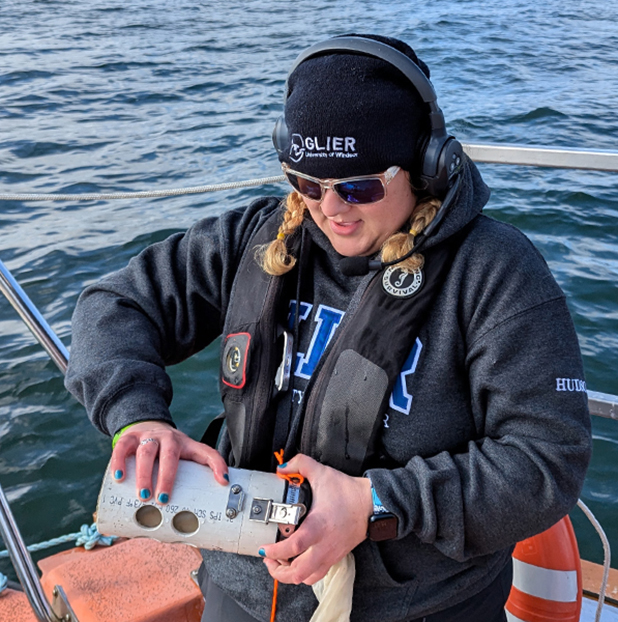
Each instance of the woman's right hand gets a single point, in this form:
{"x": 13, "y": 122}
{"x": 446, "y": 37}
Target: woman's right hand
{"x": 148, "y": 440}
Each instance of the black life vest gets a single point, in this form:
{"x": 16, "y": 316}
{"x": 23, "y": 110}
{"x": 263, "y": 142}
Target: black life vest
{"x": 348, "y": 393}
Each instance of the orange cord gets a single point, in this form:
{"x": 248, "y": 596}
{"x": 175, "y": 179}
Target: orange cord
{"x": 273, "y": 610}
{"x": 296, "y": 479}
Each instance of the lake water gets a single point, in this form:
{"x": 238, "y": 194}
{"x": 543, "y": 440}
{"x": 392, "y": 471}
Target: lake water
{"x": 154, "y": 94}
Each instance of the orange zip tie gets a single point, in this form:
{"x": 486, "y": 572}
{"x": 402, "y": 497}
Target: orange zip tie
{"x": 296, "y": 479}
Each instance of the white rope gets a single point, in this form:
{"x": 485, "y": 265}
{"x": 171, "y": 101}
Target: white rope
{"x": 607, "y": 556}
{"x": 148, "y": 194}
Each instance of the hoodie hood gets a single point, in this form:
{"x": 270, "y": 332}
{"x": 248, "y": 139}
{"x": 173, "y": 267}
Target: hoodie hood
{"x": 472, "y": 196}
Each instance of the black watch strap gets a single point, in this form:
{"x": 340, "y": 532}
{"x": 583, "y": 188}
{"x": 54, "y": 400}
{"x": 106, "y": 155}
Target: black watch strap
{"x": 382, "y": 526}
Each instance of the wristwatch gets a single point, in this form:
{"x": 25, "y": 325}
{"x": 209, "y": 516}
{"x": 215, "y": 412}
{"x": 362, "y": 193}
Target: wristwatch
{"x": 382, "y": 523}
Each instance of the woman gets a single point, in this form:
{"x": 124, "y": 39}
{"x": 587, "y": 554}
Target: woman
{"x": 427, "y": 405}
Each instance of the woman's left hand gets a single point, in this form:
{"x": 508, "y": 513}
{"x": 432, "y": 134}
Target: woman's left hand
{"x": 336, "y": 523}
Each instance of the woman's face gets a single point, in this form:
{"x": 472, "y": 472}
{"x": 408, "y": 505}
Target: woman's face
{"x": 356, "y": 230}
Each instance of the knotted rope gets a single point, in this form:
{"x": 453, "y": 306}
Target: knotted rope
{"x": 87, "y": 536}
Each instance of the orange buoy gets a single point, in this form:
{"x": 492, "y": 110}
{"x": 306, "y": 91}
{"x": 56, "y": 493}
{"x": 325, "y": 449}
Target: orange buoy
{"x": 547, "y": 577}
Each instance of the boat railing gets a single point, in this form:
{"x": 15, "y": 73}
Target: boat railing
{"x": 489, "y": 153}
{"x": 33, "y": 319}
{"x": 23, "y": 564}
{"x": 553, "y": 157}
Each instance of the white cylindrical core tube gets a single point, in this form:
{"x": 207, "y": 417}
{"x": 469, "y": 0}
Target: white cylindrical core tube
{"x": 200, "y": 511}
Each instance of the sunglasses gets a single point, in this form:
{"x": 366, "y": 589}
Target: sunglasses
{"x": 351, "y": 190}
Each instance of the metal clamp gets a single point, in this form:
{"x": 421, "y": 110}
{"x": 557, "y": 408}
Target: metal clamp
{"x": 267, "y": 511}
{"x": 234, "y": 501}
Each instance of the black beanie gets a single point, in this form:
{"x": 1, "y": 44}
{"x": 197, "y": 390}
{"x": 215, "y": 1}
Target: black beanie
{"x": 349, "y": 114}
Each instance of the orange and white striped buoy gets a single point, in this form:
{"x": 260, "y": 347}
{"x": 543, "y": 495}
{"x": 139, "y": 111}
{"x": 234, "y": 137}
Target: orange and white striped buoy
{"x": 547, "y": 577}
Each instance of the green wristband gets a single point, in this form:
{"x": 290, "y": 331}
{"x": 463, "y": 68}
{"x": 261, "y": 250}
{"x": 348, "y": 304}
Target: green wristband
{"x": 121, "y": 432}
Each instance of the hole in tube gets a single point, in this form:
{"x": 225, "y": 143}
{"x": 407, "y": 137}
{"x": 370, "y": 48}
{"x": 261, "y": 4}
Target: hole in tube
{"x": 186, "y": 523}
{"x": 149, "y": 517}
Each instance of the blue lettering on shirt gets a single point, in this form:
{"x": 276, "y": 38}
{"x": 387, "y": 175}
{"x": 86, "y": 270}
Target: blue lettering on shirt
{"x": 327, "y": 320}
{"x": 401, "y": 400}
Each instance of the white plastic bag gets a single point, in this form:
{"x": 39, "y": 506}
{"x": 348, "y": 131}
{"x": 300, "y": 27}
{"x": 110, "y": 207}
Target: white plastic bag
{"x": 334, "y": 592}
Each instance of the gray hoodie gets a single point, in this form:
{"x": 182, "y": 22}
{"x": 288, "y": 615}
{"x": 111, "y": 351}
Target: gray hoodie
{"x": 487, "y": 438}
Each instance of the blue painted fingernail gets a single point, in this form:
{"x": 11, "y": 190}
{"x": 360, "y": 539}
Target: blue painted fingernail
{"x": 282, "y": 466}
{"x": 118, "y": 474}
{"x": 262, "y": 552}
{"x": 226, "y": 477}
{"x": 144, "y": 493}
{"x": 163, "y": 497}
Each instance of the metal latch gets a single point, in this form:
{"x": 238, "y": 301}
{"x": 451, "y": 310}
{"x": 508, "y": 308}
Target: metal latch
{"x": 234, "y": 501}
{"x": 267, "y": 511}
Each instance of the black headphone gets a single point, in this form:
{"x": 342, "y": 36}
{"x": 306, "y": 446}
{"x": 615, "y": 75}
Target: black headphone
{"x": 441, "y": 156}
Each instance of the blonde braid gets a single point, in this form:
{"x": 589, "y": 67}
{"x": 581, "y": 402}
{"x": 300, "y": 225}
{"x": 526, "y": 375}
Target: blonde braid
{"x": 400, "y": 243}
{"x": 274, "y": 257}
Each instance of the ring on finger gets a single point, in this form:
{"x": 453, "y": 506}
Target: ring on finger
{"x": 148, "y": 440}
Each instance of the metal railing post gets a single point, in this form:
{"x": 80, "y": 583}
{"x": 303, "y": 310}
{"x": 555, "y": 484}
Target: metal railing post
{"x": 33, "y": 319}
{"x": 23, "y": 564}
